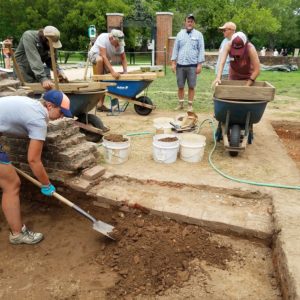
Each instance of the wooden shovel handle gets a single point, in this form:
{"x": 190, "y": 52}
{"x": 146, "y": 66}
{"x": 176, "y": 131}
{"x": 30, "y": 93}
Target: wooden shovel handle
{"x": 53, "y": 62}
{"x": 38, "y": 184}
{"x": 19, "y": 74}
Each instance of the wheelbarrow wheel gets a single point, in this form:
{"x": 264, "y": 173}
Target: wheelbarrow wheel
{"x": 141, "y": 110}
{"x": 235, "y": 137}
{"x": 94, "y": 121}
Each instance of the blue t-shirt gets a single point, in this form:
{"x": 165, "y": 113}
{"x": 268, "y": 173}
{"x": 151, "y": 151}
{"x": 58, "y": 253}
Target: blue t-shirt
{"x": 188, "y": 48}
{"x": 22, "y": 116}
{"x": 227, "y": 62}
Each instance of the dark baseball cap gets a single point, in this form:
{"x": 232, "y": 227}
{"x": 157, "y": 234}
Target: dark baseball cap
{"x": 190, "y": 16}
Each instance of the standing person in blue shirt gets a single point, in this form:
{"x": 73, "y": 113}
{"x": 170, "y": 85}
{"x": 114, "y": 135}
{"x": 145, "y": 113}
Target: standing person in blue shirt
{"x": 228, "y": 30}
{"x": 187, "y": 59}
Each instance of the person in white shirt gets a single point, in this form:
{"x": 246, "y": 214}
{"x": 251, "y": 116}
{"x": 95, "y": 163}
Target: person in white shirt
{"x": 228, "y": 30}
{"x": 106, "y": 47}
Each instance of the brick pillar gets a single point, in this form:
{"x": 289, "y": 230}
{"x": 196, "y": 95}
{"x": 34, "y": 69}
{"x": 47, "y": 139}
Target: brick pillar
{"x": 171, "y": 42}
{"x": 114, "y": 21}
{"x": 164, "y": 23}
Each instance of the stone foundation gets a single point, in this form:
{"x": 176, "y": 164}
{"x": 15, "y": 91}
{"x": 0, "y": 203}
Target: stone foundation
{"x": 66, "y": 151}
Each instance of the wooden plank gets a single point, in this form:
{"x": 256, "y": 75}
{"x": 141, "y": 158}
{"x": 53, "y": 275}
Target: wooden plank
{"x": 236, "y": 90}
{"x": 72, "y": 86}
{"x": 140, "y": 76}
{"x": 89, "y": 127}
{"x": 242, "y": 83}
{"x": 5, "y": 83}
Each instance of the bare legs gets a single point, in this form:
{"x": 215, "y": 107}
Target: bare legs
{"x": 100, "y": 71}
{"x": 10, "y": 185}
{"x": 191, "y": 95}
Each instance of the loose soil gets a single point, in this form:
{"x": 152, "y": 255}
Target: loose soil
{"x": 154, "y": 258}
{"x": 289, "y": 133}
{"x": 168, "y": 139}
{"x": 117, "y": 138}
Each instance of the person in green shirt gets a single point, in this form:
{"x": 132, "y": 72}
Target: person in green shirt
{"x": 33, "y": 56}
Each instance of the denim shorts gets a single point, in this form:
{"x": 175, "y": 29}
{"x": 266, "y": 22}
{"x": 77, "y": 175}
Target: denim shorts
{"x": 4, "y": 157}
{"x": 184, "y": 74}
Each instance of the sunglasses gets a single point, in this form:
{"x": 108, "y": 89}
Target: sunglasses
{"x": 225, "y": 29}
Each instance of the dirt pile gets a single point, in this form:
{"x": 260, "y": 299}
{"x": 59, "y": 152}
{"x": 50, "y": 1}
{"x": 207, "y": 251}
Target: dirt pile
{"x": 289, "y": 133}
{"x": 117, "y": 138}
{"x": 152, "y": 254}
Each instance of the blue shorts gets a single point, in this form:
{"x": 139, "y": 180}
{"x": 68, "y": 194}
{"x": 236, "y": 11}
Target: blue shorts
{"x": 4, "y": 157}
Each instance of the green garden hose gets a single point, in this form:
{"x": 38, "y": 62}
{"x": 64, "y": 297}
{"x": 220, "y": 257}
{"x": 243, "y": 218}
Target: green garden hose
{"x": 274, "y": 185}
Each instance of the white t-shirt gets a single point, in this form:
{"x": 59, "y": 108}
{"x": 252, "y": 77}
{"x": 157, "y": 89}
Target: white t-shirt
{"x": 22, "y": 116}
{"x": 103, "y": 42}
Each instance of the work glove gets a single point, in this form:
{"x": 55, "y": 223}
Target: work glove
{"x": 48, "y": 190}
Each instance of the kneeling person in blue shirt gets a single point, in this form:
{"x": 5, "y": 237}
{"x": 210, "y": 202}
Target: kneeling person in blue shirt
{"x": 25, "y": 117}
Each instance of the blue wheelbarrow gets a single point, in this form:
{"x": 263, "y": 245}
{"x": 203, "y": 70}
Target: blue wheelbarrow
{"x": 128, "y": 91}
{"x": 237, "y": 107}
{"x": 81, "y": 103}
{"x": 236, "y": 119}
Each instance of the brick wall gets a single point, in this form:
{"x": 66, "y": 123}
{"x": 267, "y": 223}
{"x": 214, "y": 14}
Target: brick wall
{"x": 114, "y": 20}
{"x": 265, "y": 60}
{"x": 66, "y": 151}
{"x": 171, "y": 41}
{"x": 164, "y": 23}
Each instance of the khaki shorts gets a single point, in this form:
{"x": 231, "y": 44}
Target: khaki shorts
{"x": 93, "y": 59}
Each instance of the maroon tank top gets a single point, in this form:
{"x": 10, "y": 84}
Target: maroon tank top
{"x": 240, "y": 66}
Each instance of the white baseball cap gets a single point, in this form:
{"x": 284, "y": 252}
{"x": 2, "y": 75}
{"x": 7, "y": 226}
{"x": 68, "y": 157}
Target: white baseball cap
{"x": 119, "y": 36}
{"x": 53, "y": 33}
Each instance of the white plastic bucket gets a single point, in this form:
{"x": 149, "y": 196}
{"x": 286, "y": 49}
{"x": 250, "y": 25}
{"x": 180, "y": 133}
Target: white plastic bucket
{"x": 165, "y": 152}
{"x": 162, "y": 125}
{"x": 116, "y": 152}
{"x": 192, "y": 147}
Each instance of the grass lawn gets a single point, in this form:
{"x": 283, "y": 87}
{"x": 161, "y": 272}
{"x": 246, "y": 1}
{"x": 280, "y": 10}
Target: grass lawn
{"x": 163, "y": 91}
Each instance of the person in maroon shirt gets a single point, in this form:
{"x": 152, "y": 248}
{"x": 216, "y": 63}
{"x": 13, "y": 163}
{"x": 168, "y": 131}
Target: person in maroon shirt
{"x": 244, "y": 61}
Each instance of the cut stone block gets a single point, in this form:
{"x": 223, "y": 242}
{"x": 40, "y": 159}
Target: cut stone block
{"x": 93, "y": 173}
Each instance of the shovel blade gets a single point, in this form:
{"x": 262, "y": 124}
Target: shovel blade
{"x": 103, "y": 228}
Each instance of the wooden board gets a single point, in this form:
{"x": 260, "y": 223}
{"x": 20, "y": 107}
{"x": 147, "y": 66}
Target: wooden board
{"x": 140, "y": 76}
{"x": 237, "y": 90}
{"x": 72, "y": 86}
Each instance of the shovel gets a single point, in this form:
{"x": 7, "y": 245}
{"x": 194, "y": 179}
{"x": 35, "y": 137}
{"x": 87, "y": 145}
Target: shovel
{"x": 99, "y": 226}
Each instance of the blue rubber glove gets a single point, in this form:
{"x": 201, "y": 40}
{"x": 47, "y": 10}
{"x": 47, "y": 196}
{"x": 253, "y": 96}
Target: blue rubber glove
{"x": 48, "y": 190}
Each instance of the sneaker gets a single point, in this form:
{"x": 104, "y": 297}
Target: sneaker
{"x": 179, "y": 106}
{"x": 102, "y": 108}
{"x": 190, "y": 106}
{"x": 25, "y": 237}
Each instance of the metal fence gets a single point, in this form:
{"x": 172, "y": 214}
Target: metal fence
{"x": 76, "y": 57}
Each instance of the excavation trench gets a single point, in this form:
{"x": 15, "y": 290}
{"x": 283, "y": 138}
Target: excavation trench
{"x": 180, "y": 242}
{"x": 155, "y": 257}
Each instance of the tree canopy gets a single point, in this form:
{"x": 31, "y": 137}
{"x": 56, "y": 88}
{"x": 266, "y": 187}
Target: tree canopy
{"x": 267, "y": 23}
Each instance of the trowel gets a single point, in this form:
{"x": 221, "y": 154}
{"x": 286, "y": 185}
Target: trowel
{"x": 99, "y": 226}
